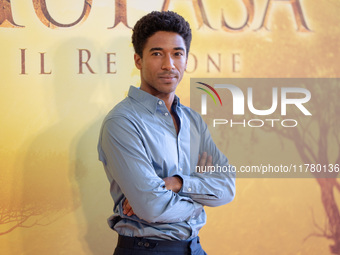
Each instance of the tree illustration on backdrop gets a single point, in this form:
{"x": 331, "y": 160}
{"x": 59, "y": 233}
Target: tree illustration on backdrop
{"x": 317, "y": 140}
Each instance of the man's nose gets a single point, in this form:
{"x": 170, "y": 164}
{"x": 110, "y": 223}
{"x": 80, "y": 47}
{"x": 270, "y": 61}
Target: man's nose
{"x": 168, "y": 63}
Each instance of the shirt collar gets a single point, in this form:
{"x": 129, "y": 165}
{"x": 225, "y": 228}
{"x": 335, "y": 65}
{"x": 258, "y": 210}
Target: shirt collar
{"x": 149, "y": 101}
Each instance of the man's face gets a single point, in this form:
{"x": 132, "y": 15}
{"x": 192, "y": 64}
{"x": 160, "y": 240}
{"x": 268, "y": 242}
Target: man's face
{"x": 163, "y": 63}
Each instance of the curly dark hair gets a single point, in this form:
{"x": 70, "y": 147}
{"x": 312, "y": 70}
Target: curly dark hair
{"x": 155, "y": 21}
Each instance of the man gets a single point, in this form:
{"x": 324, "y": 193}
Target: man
{"x": 150, "y": 144}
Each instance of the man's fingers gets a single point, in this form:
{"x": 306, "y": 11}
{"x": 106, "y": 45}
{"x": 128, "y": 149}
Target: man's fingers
{"x": 126, "y": 205}
{"x": 209, "y": 161}
{"x": 130, "y": 212}
{"x": 202, "y": 160}
{"x": 127, "y": 209}
{"x": 125, "y": 202}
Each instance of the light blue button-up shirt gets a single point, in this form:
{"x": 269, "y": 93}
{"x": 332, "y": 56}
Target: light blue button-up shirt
{"x": 139, "y": 146}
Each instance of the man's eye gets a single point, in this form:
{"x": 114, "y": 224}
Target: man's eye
{"x": 156, "y": 54}
{"x": 179, "y": 53}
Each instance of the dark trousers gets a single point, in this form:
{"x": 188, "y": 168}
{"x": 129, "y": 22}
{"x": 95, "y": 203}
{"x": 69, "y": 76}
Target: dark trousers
{"x": 142, "y": 246}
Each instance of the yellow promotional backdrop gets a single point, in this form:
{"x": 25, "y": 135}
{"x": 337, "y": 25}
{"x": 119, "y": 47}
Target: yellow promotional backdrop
{"x": 65, "y": 64}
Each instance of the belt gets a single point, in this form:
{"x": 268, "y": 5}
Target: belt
{"x": 150, "y": 244}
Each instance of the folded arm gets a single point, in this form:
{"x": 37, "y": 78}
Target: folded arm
{"x": 173, "y": 183}
{"x": 214, "y": 184}
{"x": 126, "y": 162}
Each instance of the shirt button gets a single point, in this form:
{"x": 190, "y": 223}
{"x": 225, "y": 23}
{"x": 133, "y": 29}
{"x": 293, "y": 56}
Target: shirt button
{"x": 189, "y": 189}
{"x": 166, "y": 114}
{"x": 181, "y": 169}
{"x": 160, "y": 102}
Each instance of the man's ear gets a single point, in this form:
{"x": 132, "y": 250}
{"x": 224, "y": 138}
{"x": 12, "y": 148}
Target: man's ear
{"x": 138, "y": 61}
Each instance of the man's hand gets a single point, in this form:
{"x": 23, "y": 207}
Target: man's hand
{"x": 127, "y": 209}
{"x": 204, "y": 162}
{"x": 174, "y": 183}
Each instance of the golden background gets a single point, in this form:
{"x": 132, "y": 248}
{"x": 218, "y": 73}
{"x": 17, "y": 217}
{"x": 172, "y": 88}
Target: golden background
{"x": 54, "y": 192}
